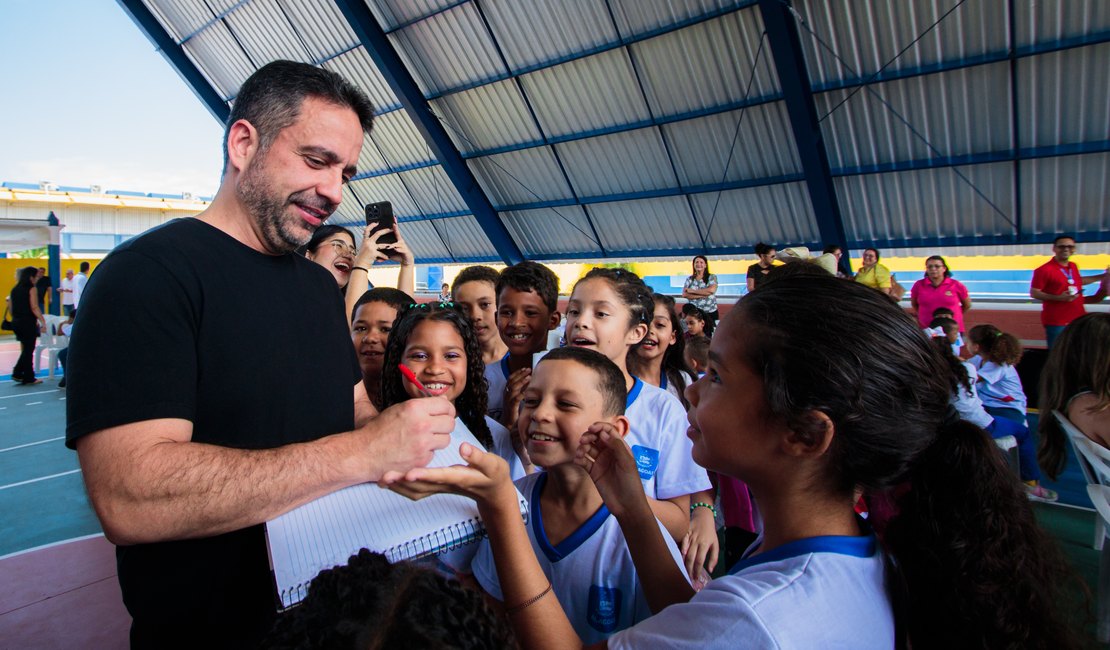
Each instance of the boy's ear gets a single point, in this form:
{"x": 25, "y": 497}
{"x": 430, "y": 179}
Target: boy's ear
{"x": 242, "y": 144}
{"x": 812, "y": 442}
{"x": 554, "y": 321}
{"x": 622, "y": 425}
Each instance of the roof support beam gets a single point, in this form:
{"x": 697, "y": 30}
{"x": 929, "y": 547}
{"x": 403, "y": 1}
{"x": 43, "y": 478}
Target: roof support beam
{"x": 177, "y": 58}
{"x": 782, "y": 34}
{"x": 377, "y": 44}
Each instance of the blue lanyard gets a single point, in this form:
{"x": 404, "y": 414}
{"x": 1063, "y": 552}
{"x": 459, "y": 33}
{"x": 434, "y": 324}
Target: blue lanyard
{"x": 1067, "y": 274}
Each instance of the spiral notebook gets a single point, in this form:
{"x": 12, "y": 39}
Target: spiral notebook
{"x": 326, "y": 532}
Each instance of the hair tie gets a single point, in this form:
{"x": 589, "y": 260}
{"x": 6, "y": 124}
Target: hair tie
{"x": 998, "y": 334}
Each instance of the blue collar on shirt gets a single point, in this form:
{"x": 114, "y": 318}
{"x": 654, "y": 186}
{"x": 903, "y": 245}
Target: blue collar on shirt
{"x": 505, "y": 365}
{"x": 637, "y": 386}
{"x": 575, "y": 539}
{"x": 860, "y": 546}
{"x": 662, "y": 381}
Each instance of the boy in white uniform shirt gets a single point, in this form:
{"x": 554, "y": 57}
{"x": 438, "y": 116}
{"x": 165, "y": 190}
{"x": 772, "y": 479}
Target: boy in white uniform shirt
{"x": 577, "y": 541}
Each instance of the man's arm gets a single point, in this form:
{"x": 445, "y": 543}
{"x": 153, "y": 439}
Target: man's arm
{"x": 149, "y": 482}
{"x": 1037, "y": 294}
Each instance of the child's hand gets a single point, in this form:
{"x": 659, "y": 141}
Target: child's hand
{"x": 484, "y": 478}
{"x": 700, "y": 546}
{"x": 514, "y": 393}
{"x": 604, "y": 454}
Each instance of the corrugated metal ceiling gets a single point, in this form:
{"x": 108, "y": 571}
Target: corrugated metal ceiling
{"x": 659, "y": 127}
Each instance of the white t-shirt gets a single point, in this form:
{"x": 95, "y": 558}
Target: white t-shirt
{"x": 591, "y": 571}
{"x": 968, "y": 403}
{"x": 503, "y": 447}
{"x": 67, "y": 296}
{"x": 821, "y": 592}
{"x": 79, "y": 281}
{"x": 659, "y": 442}
{"x": 497, "y": 375}
{"x": 1000, "y": 386}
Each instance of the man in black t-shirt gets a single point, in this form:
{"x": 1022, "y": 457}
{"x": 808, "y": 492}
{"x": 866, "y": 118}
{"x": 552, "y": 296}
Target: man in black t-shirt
{"x": 199, "y": 412}
{"x": 43, "y": 286}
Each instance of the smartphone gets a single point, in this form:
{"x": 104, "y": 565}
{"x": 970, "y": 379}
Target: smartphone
{"x": 380, "y": 216}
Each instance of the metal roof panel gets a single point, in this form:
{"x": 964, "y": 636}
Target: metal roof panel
{"x": 387, "y": 188}
{"x": 1066, "y": 194}
{"x": 357, "y": 67}
{"x": 321, "y": 28}
{"x": 449, "y": 49}
{"x": 542, "y": 30}
{"x": 1064, "y": 97}
{"x": 586, "y": 94}
{"x": 774, "y": 214}
{"x": 266, "y": 34}
{"x": 487, "y": 117}
{"x": 631, "y": 161}
{"x": 433, "y": 191}
{"x": 628, "y": 226}
{"x": 764, "y": 146}
{"x": 180, "y": 18}
{"x": 635, "y": 17}
{"x": 524, "y": 176}
{"x": 706, "y": 65}
{"x": 220, "y": 58}
{"x": 400, "y": 142}
{"x": 551, "y": 231}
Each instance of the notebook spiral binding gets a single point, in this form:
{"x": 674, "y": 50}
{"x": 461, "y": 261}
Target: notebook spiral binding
{"x": 438, "y": 541}
{"x": 434, "y": 543}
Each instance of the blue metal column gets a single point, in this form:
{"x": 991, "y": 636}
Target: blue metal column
{"x": 393, "y": 70}
{"x": 54, "y": 263}
{"x": 782, "y": 34}
{"x": 175, "y": 54}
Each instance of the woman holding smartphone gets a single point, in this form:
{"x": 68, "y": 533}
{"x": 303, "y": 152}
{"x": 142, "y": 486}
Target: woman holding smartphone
{"x": 374, "y": 250}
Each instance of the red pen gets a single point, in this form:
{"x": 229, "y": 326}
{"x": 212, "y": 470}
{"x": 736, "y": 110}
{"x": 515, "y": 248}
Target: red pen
{"x": 411, "y": 376}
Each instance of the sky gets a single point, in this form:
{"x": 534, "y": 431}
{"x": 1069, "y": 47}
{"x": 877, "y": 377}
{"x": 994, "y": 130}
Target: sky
{"x": 87, "y": 100}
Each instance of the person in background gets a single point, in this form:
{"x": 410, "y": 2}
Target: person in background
{"x": 79, "y": 284}
{"x": 372, "y": 320}
{"x": 696, "y": 322}
{"x": 659, "y": 359}
{"x": 697, "y": 354}
{"x": 66, "y": 292}
{"x": 332, "y": 247}
{"x": 939, "y": 289}
{"x": 1075, "y": 381}
{"x": 701, "y": 288}
{"x": 44, "y": 286}
{"x": 27, "y": 322}
{"x": 445, "y": 293}
{"x": 1058, "y": 286}
{"x": 475, "y": 292}
{"x": 842, "y": 270}
{"x": 875, "y": 275}
{"x": 761, "y": 270}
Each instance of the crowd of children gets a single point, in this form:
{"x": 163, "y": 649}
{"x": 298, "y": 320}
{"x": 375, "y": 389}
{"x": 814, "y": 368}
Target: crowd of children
{"x": 807, "y": 397}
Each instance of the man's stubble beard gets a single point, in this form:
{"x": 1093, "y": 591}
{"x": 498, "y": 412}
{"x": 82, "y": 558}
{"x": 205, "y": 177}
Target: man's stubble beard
{"x": 269, "y": 210}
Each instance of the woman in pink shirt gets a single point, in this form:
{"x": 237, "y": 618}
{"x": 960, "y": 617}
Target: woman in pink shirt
{"x": 938, "y": 289}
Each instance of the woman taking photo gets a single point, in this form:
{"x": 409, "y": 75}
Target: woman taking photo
{"x": 938, "y": 289}
{"x": 701, "y": 288}
{"x": 27, "y": 322}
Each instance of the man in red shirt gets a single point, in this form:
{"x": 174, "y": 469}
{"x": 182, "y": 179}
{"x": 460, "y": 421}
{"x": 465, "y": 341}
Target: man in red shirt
{"x": 1058, "y": 285}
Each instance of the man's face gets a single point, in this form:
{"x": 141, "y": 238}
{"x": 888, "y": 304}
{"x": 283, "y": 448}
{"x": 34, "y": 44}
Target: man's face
{"x": 1064, "y": 249}
{"x": 69, "y": 274}
{"x": 296, "y": 184}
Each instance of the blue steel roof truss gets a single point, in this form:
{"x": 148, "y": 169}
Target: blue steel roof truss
{"x": 404, "y": 86}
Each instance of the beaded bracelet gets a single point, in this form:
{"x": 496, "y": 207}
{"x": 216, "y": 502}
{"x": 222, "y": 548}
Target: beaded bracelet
{"x": 528, "y": 603}
{"x": 360, "y": 268}
{"x": 703, "y": 505}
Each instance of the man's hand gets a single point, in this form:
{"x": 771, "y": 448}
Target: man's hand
{"x": 405, "y": 436}
{"x": 485, "y": 478}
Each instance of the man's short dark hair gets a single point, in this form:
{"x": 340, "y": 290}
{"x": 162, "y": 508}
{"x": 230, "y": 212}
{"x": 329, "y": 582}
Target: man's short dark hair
{"x": 531, "y": 276}
{"x": 1059, "y": 237}
{"x": 84, "y": 266}
{"x": 610, "y": 379}
{"x": 271, "y": 99}
{"x": 476, "y": 273}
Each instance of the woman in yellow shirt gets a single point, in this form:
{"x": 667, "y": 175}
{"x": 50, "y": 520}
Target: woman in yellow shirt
{"x": 872, "y": 273}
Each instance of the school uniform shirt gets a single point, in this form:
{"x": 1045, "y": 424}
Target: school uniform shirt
{"x": 820, "y": 592}
{"x": 1000, "y": 386}
{"x": 1054, "y": 278}
{"x": 497, "y": 375}
{"x": 659, "y": 443}
{"x": 672, "y": 388}
{"x": 967, "y": 402}
{"x": 591, "y": 571}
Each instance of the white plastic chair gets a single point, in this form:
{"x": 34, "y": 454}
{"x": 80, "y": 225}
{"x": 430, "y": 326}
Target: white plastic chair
{"x": 1094, "y": 461}
{"x": 52, "y": 341}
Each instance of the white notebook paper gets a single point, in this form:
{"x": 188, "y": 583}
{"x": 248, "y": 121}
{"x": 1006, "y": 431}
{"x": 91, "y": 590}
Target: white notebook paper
{"x": 326, "y": 532}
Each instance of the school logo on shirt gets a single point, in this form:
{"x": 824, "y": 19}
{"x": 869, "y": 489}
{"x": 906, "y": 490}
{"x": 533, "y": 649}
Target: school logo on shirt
{"x": 647, "y": 460}
{"x": 604, "y": 608}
